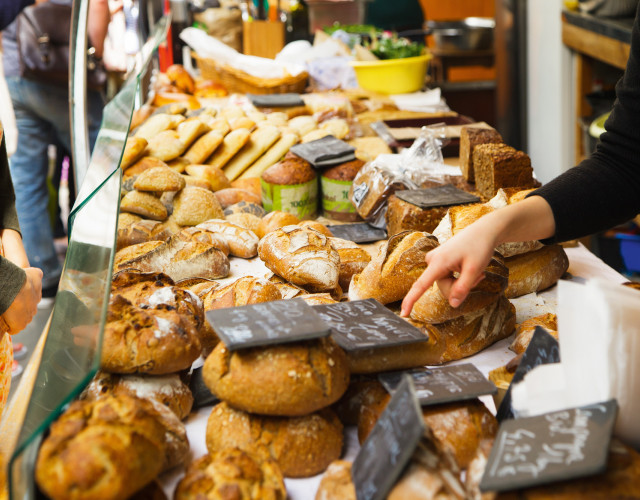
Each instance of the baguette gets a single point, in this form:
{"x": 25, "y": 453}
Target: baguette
{"x": 258, "y": 143}
{"x": 433, "y": 307}
{"x": 242, "y": 242}
{"x": 302, "y": 256}
{"x": 535, "y": 271}
{"x": 231, "y": 144}
{"x": 272, "y": 156}
{"x": 398, "y": 264}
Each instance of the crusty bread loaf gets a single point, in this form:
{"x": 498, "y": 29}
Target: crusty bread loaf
{"x": 232, "y": 474}
{"x": 247, "y": 221}
{"x": 195, "y": 205}
{"x": 125, "y": 258}
{"x": 275, "y": 220}
{"x": 284, "y": 380}
{"x": 143, "y": 204}
{"x": 361, "y": 390}
{"x": 204, "y": 236}
{"x": 318, "y": 226}
{"x": 287, "y": 290}
{"x": 353, "y": 260}
{"x": 141, "y": 231}
{"x": 498, "y": 166}
{"x": 155, "y": 341}
{"x": 336, "y": 483}
{"x": 535, "y": 271}
{"x": 213, "y": 175}
{"x": 106, "y": 449}
{"x": 242, "y": 242}
{"x": 315, "y": 299}
{"x": 151, "y": 491}
{"x": 302, "y": 256}
{"x": 243, "y": 291}
{"x": 396, "y": 267}
{"x": 168, "y": 390}
{"x": 125, "y": 219}
{"x": 133, "y": 150}
{"x": 302, "y": 446}
{"x": 433, "y": 306}
{"x": 291, "y": 170}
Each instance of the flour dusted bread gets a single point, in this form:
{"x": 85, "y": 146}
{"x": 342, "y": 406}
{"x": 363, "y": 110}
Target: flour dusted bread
{"x": 242, "y": 242}
{"x": 107, "y": 449}
{"x": 302, "y": 446}
{"x": 536, "y": 271}
{"x": 392, "y": 272}
{"x": 243, "y": 291}
{"x": 433, "y": 306}
{"x": 284, "y": 380}
{"x": 232, "y": 471}
{"x": 302, "y": 256}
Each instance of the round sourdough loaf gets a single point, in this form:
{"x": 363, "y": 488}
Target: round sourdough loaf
{"x": 243, "y": 475}
{"x": 286, "y": 380}
{"x": 302, "y": 446}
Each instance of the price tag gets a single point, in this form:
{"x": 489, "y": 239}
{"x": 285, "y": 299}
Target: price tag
{"x": 360, "y": 232}
{"x": 267, "y": 323}
{"x": 442, "y": 385}
{"x": 386, "y": 451}
{"x": 325, "y": 152}
{"x": 542, "y": 349}
{"x": 441, "y": 196}
{"x": 276, "y": 100}
{"x": 366, "y": 324}
{"x": 552, "y": 447}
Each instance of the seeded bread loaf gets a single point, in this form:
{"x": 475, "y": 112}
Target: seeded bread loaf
{"x": 470, "y": 137}
{"x": 536, "y": 271}
{"x": 498, "y": 166}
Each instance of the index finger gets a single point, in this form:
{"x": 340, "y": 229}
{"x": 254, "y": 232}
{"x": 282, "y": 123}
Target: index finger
{"x": 431, "y": 274}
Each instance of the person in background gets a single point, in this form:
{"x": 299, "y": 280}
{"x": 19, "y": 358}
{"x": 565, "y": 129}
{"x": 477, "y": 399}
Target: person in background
{"x": 42, "y": 113}
{"x": 20, "y": 284}
{"x": 602, "y": 192}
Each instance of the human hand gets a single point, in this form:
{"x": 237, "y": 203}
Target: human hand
{"x": 25, "y": 305}
{"x": 466, "y": 254}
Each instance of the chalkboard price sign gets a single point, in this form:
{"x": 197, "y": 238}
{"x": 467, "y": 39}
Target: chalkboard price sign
{"x": 442, "y": 385}
{"x": 360, "y": 232}
{"x": 389, "y": 447}
{"x": 267, "y": 323}
{"x": 202, "y": 396}
{"x": 365, "y": 324}
{"x": 542, "y": 349}
{"x": 553, "y": 447}
{"x": 441, "y": 196}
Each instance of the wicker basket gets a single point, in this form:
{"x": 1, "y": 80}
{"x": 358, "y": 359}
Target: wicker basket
{"x": 238, "y": 81}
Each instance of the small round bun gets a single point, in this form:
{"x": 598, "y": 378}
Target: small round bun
{"x": 283, "y": 380}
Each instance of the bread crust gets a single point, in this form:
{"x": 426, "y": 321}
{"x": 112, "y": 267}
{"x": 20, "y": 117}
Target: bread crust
{"x": 275, "y": 220}
{"x": 243, "y": 291}
{"x": 194, "y": 205}
{"x": 242, "y": 242}
{"x": 536, "y": 271}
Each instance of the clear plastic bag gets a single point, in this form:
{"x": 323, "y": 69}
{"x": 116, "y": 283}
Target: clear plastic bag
{"x": 421, "y": 165}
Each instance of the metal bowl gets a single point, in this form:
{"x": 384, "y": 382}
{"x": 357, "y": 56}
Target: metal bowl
{"x": 469, "y": 34}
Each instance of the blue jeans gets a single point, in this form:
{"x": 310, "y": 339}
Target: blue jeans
{"x": 42, "y": 113}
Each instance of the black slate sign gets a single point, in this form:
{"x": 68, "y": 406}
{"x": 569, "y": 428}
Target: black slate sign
{"x": 276, "y": 100}
{"x": 542, "y": 349}
{"x": 384, "y": 454}
{"x": 366, "y": 324}
{"x": 441, "y": 196}
{"x": 325, "y": 152}
{"x": 267, "y": 323}
{"x": 553, "y": 447}
{"x": 360, "y": 232}
{"x": 202, "y": 396}
{"x": 442, "y": 385}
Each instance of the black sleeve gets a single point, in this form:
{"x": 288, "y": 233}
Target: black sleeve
{"x": 604, "y": 190}
{"x": 9, "y": 10}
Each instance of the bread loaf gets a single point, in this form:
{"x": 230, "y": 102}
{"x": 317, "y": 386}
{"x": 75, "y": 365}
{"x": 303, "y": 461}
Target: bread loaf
{"x": 242, "y": 242}
{"x": 498, "y": 166}
{"x": 143, "y": 204}
{"x": 202, "y": 235}
{"x": 213, "y": 175}
{"x": 128, "y": 256}
{"x": 140, "y": 232}
{"x": 159, "y": 179}
{"x": 195, "y": 205}
{"x": 302, "y": 256}
{"x": 156, "y": 342}
{"x": 275, "y": 220}
{"x": 302, "y": 446}
{"x": 404, "y": 216}
{"x": 243, "y": 291}
{"x": 318, "y": 226}
{"x": 125, "y": 219}
{"x": 526, "y": 329}
{"x": 284, "y": 380}
{"x": 433, "y": 306}
{"x": 166, "y": 145}
{"x": 361, "y": 389}
{"x": 470, "y": 137}
{"x": 235, "y": 472}
{"x": 398, "y": 264}
{"x": 535, "y": 271}
{"x": 353, "y": 260}
{"x": 315, "y": 299}
{"x": 105, "y": 449}
{"x": 247, "y": 221}
{"x": 244, "y": 207}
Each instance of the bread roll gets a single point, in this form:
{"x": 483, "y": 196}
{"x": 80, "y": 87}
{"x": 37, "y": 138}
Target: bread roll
{"x": 235, "y": 472}
{"x": 242, "y": 242}
{"x": 181, "y": 78}
{"x": 369, "y": 148}
{"x": 247, "y": 221}
{"x": 157, "y": 124}
{"x": 166, "y": 145}
{"x": 191, "y": 181}
{"x": 167, "y": 390}
{"x": 302, "y": 446}
{"x": 526, "y": 329}
{"x": 535, "y": 271}
{"x": 353, "y": 260}
{"x": 303, "y": 124}
{"x": 243, "y": 291}
{"x": 248, "y": 183}
{"x": 140, "y": 232}
{"x": 195, "y": 205}
{"x": 125, "y": 219}
{"x": 433, "y": 306}
{"x": 288, "y": 290}
{"x": 156, "y": 342}
{"x": 275, "y": 220}
{"x": 143, "y": 204}
{"x": 337, "y": 127}
{"x": 231, "y": 196}
{"x": 106, "y": 449}
{"x": 190, "y": 129}
{"x": 284, "y": 380}
{"x": 143, "y": 164}
{"x": 302, "y": 256}
{"x": 242, "y": 122}
{"x": 159, "y": 179}
{"x": 133, "y": 150}
{"x": 213, "y": 175}
{"x": 399, "y": 263}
